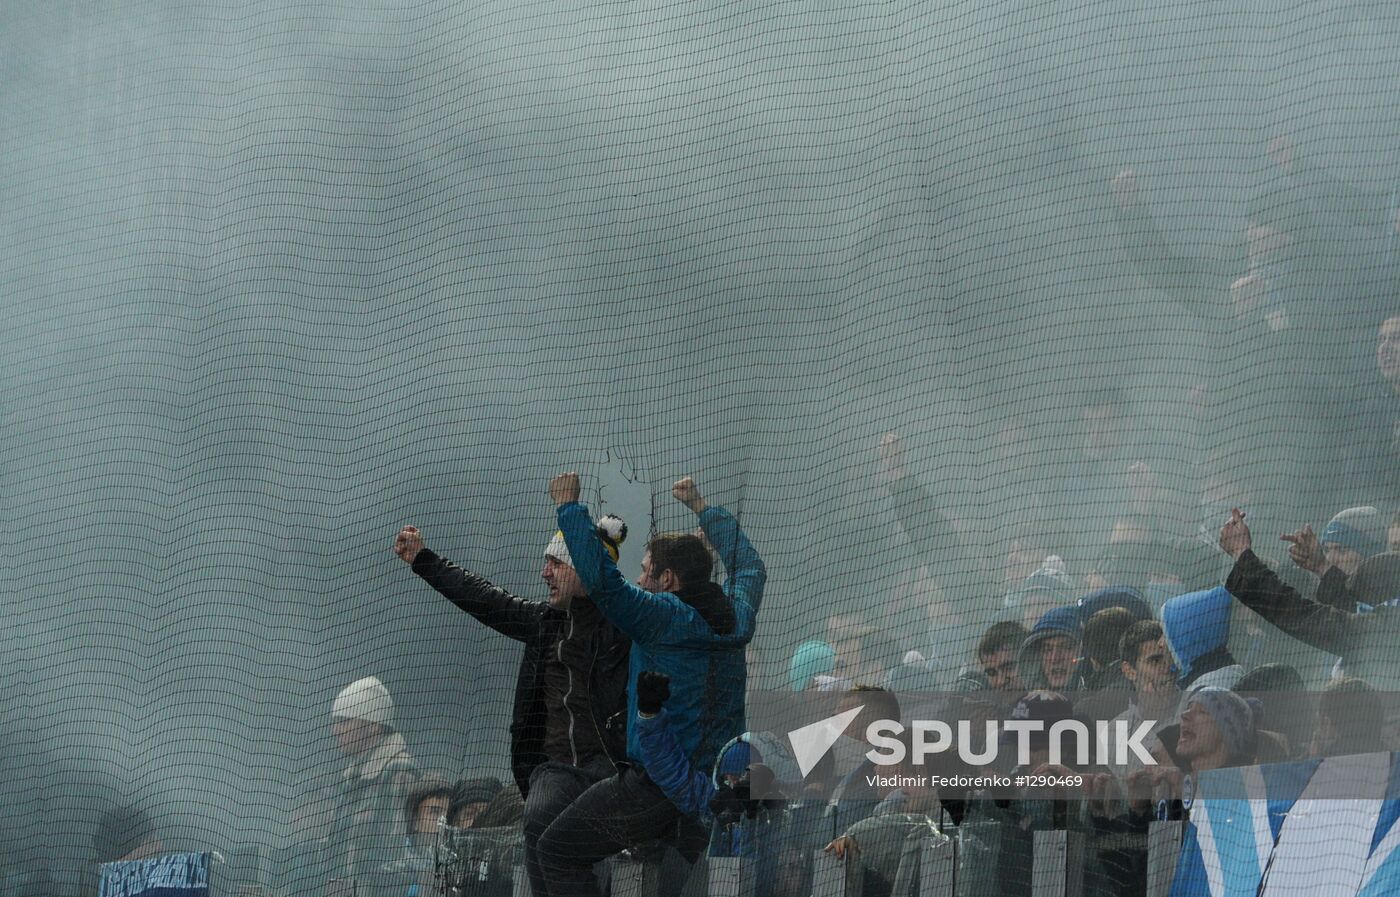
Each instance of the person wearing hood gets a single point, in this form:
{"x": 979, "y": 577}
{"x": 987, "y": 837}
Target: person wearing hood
{"x": 747, "y": 800}
{"x": 1197, "y": 629}
{"x": 1364, "y": 640}
{"x": 470, "y": 798}
{"x": 1125, "y": 597}
{"x": 734, "y": 789}
{"x": 424, "y": 810}
{"x": 1048, "y": 658}
{"x": 682, "y": 624}
{"x": 1105, "y": 615}
{"x": 887, "y": 844}
{"x": 367, "y": 826}
{"x": 567, "y": 727}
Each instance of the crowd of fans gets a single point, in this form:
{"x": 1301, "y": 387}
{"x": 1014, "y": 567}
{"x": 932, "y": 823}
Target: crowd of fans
{"x": 1146, "y": 600}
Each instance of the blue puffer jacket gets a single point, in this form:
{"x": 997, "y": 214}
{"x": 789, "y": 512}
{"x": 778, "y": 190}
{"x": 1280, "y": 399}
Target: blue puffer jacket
{"x": 691, "y": 790}
{"x": 707, "y": 669}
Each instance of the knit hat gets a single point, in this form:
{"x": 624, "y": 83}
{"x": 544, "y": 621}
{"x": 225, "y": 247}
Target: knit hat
{"x": 1360, "y": 529}
{"x": 814, "y": 658}
{"x": 1128, "y": 598}
{"x": 612, "y": 532}
{"x": 424, "y": 788}
{"x": 1050, "y": 577}
{"x": 1236, "y": 717}
{"x": 1060, "y": 621}
{"x": 1049, "y": 707}
{"x": 365, "y": 699}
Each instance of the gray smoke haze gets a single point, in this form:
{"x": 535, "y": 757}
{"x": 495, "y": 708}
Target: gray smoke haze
{"x": 283, "y": 277}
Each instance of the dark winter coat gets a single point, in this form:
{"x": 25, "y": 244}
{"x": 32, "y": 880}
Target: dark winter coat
{"x": 539, "y": 627}
{"x": 1366, "y": 642}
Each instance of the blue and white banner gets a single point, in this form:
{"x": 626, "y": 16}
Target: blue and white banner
{"x": 174, "y": 875}
{"x": 1270, "y": 831}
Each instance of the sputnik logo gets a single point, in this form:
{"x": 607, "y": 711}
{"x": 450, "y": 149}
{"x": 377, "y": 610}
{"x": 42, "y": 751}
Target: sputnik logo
{"x": 810, "y": 743}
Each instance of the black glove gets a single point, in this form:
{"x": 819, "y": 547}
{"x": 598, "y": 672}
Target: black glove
{"x": 652, "y": 691}
{"x": 731, "y": 802}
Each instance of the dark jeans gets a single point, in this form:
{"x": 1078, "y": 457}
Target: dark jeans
{"x": 553, "y": 787}
{"x": 622, "y": 811}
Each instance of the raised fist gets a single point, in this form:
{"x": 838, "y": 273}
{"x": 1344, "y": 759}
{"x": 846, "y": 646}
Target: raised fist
{"x": 408, "y": 543}
{"x": 564, "y": 488}
{"x": 687, "y": 493}
{"x": 653, "y": 689}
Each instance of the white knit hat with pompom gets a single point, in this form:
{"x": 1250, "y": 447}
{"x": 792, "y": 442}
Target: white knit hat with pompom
{"x": 612, "y": 532}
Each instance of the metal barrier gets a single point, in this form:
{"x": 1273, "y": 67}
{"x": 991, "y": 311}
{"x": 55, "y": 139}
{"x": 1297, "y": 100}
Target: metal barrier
{"x": 1163, "y": 849}
{"x": 836, "y": 878}
{"x": 732, "y": 877}
{"x": 632, "y": 877}
{"x": 938, "y": 868}
{"x": 1058, "y": 866}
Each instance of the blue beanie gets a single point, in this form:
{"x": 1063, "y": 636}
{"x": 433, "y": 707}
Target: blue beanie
{"x": 1126, "y": 597}
{"x": 814, "y": 658}
{"x": 1360, "y": 529}
{"x": 1061, "y": 621}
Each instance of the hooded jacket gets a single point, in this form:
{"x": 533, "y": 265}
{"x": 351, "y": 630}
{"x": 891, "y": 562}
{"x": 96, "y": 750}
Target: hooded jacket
{"x": 540, "y": 628}
{"x": 673, "y": 634}
{"x": 692, "y": 791}
{"x": 1057, "y": 621}
{"x": 1197, "y": 628}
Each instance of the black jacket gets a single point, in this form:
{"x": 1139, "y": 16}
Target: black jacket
{"x": 1366, "y": 642}
{"x": 539, "y": 627}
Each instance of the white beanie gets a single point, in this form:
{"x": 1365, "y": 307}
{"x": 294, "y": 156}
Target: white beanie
{"x": 365, "y": 699}
{"x": 611, "y": 532}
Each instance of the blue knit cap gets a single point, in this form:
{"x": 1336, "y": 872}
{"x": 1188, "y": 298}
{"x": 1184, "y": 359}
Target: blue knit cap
{"x": 1360, "y": 529}
{"x": 814, "y": 658}
{"x": 1060, "y": 620}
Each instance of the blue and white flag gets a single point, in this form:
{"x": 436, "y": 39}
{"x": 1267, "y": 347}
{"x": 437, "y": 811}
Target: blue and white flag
{"x": 1295, "y": 830}
{"x": 174, "y": 875}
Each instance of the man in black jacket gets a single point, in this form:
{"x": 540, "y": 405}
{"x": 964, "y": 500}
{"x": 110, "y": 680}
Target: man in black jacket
{"x": 1366, "y": 642}
{"x": 568, "y": 727}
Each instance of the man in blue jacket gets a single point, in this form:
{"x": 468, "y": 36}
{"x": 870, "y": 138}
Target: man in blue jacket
{"x": 683, "y": 625}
